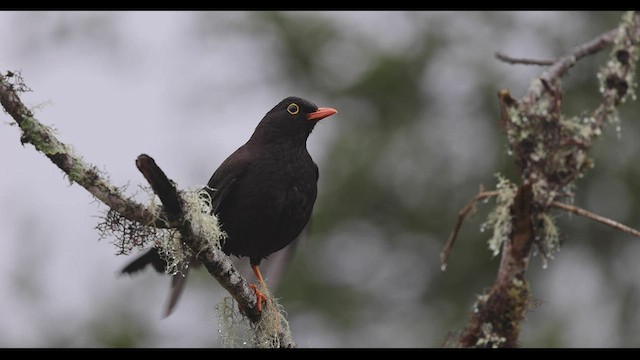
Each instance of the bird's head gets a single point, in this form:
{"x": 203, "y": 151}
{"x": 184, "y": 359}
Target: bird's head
{"x": 292, "y": 118}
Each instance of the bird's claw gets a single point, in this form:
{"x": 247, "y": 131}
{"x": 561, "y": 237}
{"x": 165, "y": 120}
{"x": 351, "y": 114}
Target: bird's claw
{"x": 259, "y": 296}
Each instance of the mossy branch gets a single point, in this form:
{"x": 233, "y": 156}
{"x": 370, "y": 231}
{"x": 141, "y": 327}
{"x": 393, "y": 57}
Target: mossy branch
{"x": 551, "y": 152}
{"x": 84, "y": 174}
{"x": 173, "y": 215}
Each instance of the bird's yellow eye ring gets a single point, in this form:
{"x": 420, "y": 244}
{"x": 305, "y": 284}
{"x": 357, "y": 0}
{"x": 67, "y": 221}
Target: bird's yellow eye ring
{"x": 293, "y": 109}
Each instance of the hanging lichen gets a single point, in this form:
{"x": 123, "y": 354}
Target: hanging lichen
{"x": 500, "y": 217}
{"x": 236, "y": 331}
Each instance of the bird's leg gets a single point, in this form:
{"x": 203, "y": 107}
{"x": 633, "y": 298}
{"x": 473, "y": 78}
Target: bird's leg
{"x": 259, "y": 295}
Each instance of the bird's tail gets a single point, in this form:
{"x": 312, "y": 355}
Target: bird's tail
{"x": 178, "y": 280}
{"x": 150, "y": 257}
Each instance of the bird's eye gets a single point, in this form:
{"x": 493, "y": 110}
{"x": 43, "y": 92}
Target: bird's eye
{"x": 293, "y": 109}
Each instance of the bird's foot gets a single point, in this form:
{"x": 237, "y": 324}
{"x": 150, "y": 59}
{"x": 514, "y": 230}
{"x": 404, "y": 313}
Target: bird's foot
{"x": 259, "y": 295}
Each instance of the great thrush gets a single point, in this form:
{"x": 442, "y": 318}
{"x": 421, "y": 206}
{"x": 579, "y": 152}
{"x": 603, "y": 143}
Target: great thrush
{"x": 263, "y": 193}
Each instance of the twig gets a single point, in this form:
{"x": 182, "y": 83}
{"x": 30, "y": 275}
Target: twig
{"x": 599, "y": 218}
{"x": 566, "y": 62}
{"x": 563, "y": 64}
{"x": 522, "y": 61}
{"x": 462, "y": 214}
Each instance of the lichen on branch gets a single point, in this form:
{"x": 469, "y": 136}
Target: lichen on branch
{"x": 499, "y": 220}
{"x": 550, "y": 150}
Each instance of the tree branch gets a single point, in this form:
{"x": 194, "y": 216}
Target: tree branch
{"x": 522, "y": 61}
{"x": 496, "y": 321}
{"x": 462, "y": 214}
{"x": 560, "y": 67}
{"x": 601, "y": 219}
{"x": 551, "y": 152}
{"x": 78, "y": 171}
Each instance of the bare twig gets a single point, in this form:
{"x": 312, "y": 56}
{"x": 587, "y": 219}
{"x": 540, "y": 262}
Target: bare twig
{"x": 523, "y": 61}
{"x": 563, "y": 64}
{"x": 599, "y": 218}
{"x": 462, "y": 214}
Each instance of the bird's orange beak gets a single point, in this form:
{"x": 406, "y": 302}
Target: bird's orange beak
{"x": 321, "y": 113}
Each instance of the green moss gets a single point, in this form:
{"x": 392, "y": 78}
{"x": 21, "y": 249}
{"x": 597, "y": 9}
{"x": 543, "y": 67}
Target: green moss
{"x": 41, "y": 136}
{"x": 77, "y": 172}
{"x": 519, "y": 295}
{"x": 499, "y": 315}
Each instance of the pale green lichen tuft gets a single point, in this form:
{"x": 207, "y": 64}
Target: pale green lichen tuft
{"x": 580, "y": 129}
{"x": 197, "y": 209}
{"x": 617, "y": 78}
{"x": 236, "y": 331}
{"x": 500, "y": 217}
{"x": 131, "y": 234}
{"x": 272, "y": 322}
{"x": 547, "y": 237}
{"x": 232, "y": 326}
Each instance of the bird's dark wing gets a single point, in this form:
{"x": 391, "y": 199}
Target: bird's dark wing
{"x": 222, "y": 181}
{"x": 218, "y": 188}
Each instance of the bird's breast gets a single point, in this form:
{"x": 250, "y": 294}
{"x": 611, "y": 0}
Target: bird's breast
{"x": 270, "y": 205}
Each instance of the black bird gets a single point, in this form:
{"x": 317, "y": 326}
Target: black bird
{"x": 263, "y": 193}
